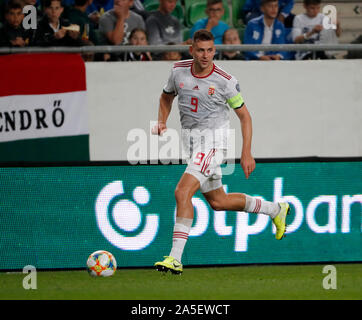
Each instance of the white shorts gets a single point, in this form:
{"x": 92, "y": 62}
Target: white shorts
{"x": 205, "y": 167}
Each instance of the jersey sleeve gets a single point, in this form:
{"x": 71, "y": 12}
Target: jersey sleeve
{"x": 232, "y": 94}
{"x": 297, "y": 27}
{"x": 170, "y": 87}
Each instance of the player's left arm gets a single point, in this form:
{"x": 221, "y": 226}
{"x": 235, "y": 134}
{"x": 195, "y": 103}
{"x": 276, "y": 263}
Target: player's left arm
{"x": 247, "y": 160}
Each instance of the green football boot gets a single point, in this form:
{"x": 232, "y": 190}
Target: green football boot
{"x": 170, "y": 263}
{"x": 279, "y": 220}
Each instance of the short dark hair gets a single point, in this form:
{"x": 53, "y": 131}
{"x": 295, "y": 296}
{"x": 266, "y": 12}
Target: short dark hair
{"x": 202, "y": 35}
{"x": 11, "y": 5}
{"x": 311, "y": 2}
{"x": 137, "y": 30}
{"x": 80, "y": 3}
{"x": 212, "y": 2}
{"x": 48, "y": 3}
{"x": 264, "y": 2}
{"x": 231, "y": 29}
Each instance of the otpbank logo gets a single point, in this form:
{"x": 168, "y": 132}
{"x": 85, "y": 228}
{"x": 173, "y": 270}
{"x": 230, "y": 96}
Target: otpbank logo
{"x": 121, "y": 221}
{"x": 129, "y": 224}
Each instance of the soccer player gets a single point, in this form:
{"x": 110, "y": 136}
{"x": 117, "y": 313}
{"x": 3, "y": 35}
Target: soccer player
{"x": 205, "y": 95}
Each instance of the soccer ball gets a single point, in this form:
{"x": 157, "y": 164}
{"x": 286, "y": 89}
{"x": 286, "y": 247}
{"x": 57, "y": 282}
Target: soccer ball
{"x": 101, "y": 264}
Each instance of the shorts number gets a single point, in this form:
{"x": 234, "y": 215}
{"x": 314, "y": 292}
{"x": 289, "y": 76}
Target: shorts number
{"x": 199, "y": 156}
{"x": 195, "y": 103}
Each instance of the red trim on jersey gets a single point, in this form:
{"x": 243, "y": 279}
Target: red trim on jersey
{"x": 186, "y": 63}
{"x": 222, "y": 73}
{"x": 183, "y": 64}
{"x": 226, "y": 77}
{"x": 202, "y": 77}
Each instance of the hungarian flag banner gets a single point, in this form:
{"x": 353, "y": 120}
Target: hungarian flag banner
{"x": 43, "y": 108}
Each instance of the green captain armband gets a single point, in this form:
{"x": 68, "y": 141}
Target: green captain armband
{"x": 235, "y": 102}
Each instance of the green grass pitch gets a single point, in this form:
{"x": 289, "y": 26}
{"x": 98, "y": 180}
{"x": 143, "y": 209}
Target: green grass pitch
{"x": 215, "y": 283}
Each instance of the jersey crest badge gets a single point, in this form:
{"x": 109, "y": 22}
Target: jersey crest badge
{"x": 181, "y": 85}
{"x": 211, "y": 91}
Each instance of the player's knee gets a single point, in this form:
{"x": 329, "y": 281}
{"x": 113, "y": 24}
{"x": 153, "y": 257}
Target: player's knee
{"x": 182, "y": 195}
{"x": 217, "y": 204}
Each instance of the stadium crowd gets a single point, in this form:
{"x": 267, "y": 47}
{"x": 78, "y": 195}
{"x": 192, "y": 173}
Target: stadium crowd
{"x": 136, "y": 22}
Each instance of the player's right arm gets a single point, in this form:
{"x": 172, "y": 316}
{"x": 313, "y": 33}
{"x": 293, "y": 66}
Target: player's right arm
{"x": 164, "y": 110}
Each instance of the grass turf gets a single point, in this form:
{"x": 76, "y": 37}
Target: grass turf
{"x": 217, "y": 283}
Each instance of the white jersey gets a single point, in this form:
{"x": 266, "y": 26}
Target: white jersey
{"x": 304, "y": 24}
{"x": 204, "y": 102}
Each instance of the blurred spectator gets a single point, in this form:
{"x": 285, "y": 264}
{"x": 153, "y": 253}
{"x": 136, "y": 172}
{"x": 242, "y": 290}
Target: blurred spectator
{"x": 265, "y": 29}
{"x": 214, "y": 11}
{"x": 355, "y": 54}
{"x": 2, "y": 12}
{"x": 251, "y": 10}
{"x": 231, "y": 36}
{"x": 13, "y": 34}
{"x": 116, "y": 25}
{"x": 138, "y": 8}
{"x": 97, "y": 8}
{"x": 162, "y": 27}
{"x": 138, "y": 37}
{"x": 77, "y": 15}
{"x": 308, "y": 28}
{"x": 171, "y": 55}
{"x": 53, "y": 30}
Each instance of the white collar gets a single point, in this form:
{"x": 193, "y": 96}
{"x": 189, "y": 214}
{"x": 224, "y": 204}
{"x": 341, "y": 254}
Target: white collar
{"x": 266, "y": 26}
{"x": 55, "y": 29}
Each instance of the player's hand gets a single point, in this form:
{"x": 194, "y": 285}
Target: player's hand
{"x": 247, "y": 163}
{"x": 159, "y": 129}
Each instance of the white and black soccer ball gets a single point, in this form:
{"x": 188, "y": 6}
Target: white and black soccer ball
{"x": 101, "y": 263}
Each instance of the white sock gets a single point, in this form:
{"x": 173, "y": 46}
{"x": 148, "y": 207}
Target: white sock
{"x": 181, "y": 232}
{"x": 255, "y": 205}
